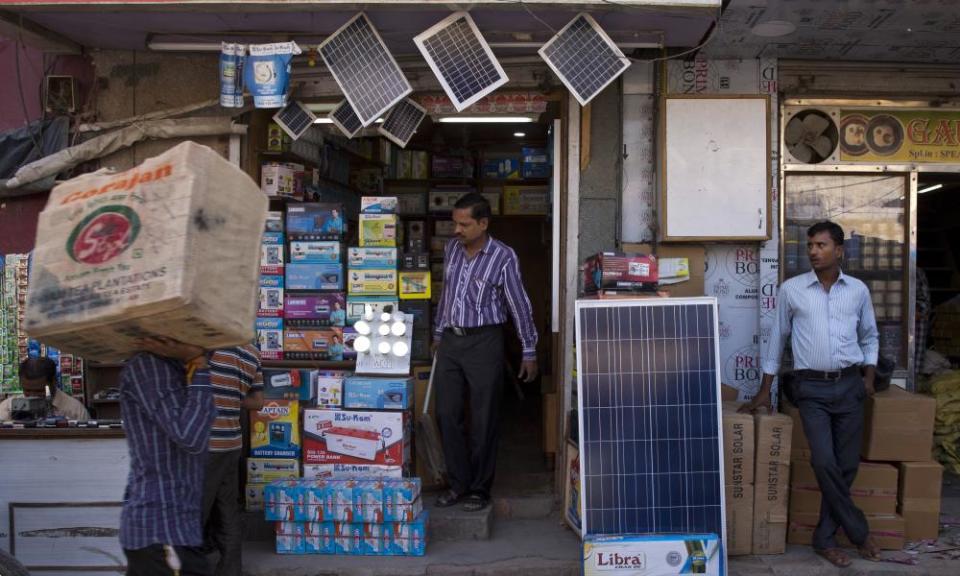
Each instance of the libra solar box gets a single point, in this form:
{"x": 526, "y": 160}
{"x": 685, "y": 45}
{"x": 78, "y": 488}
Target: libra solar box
{"x": 169, "y": 248}
{"x": 647, "y": 555}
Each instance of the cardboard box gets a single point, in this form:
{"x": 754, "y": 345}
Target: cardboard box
{"x": 315, "y": 222}
{"x": 270, "y": 338}
{"x": 327, "y": 387}
{"x": 696, "y": 256}
{"x": 315, "y": 310}
{"x": 320, "y": 344}
{"x": 536, "y": 163}
{"x": 771, "y": 482}
{"x": 367, "y": 258}
{"x": 887, "y": 531}
{"x": 349, "y": 337}
{"x": 253, "y": 497}
{"x": 739, "y": 446}
{"x": 315, "y": 252}
{"x": 378, "y": 393}
{"x": 919, "y": 499}
{"x": 612, "y": 271}
{"x": 443, "y": 200}
{"x": 271, "y": 253}
{"x": 525, "y": 200}
{"x": 550, "y": 418}
{"x": 314, "y": 277}
{"x": 266, "y": 470}
{"x": 271, "y": 297}
{"x": 378, "y": 204}
{"x": 274, "y": 222}
{"x": 800, "y": 448}
{"x": 372, "y": 282}
{"x": 353, "y": 471}
{"x": 285, "y": 385}
{"x": 874, "y": 490}
{"x": 357, "y": 437}
{"x": 507, "y": 168}
{"x": 379, "y": 304}
{"x": 411, "y": 203}
{"x": 281, "y": 179}
{"x": 660, "y": 554}
{"x": 739, "y": 501}
{"x": 275, "y": 430}
{"x": 407, "y": 539}
{"x": 378, "y": 230}
{"x": 415, "y": 285}
{"x": 419, "y": 261}
{"x": 898, "y": 426}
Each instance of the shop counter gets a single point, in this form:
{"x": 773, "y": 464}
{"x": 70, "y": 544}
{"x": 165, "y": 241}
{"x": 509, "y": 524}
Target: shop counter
{"x": 61, "y": 491}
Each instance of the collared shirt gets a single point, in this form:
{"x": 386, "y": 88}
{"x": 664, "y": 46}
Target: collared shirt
{"x": 168, "y": 427}
{"x": 479, "y": 291}
{"x": 234, "y": 373}
{"x": 828, "y": 330}
{"x": 63, "y": 405}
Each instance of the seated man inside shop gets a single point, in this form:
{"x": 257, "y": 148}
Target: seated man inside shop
{"x": 38, "y": 378}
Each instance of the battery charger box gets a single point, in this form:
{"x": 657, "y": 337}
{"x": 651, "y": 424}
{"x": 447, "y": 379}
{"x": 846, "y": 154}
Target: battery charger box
{"x": 315, "y": 252}
{"x": 366, "y": 258}
{"x": 372, "y": 282}
{"x": 378, "y": 230}
{"x": 266, "y": 470}
{"x": 270, "y": 338}
{"x": 271, "y": 253}
{"x": 314, "y": 276}
{"x": 271, "y": 297}
{"x": 378, "y": 393}
{"x": 275, "y": 430}
{"x": 357, "y": 437}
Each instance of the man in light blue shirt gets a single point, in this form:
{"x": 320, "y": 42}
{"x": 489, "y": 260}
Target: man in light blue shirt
{"x": 833, "y": 333}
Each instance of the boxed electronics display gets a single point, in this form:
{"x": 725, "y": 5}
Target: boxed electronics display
{"x": 274, "y": 430}
{"x": 314, "y": 276}
{"x": 526, "y": 200}
{"x": 271, "y": 253}
{"x": 271, "y": 297}
{"x": 324, "y": 471}
{"x": 628, "y": 272}
{"x": 303, "y": 310}
{"x": 378, "y": 205}
{"x": 315, "y": 252}
{"x": 378, "y": 393}
{"x": 536, "y": 163}
{"x": 327, "y": 387}
{"x": 415, "y": 285}
{"x": 270, "y": 338}
{"x": 319, "y": 344}
{"x": 282, "y": 179}
{"x": 145, "y": 253}
{"x": 367, "y": 258}
{"x": 266, "y": 470}
{"x": 356, "y": 437}
{"x": 311, "y": 222}
{"x": 356, "y": 305}
{"x": 274, "y": 222}
{"x": 285, "y": 385}
{"x": 253, "y": 496}
{"x": 383, "y": 344}
{"x": 378, "y": 230}
{"x": 372, "y": 282}
{"x": 660, "y": 554}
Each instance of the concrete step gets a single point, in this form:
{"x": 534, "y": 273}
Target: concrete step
{"x": 524, "y": 506}
{"x": 255, "y": 528}
{"x": 454, "y": 523}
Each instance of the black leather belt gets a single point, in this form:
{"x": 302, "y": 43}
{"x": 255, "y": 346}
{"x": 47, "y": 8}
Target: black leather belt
{"x": 827, "y": 375}
{"x": 471, "y": 330}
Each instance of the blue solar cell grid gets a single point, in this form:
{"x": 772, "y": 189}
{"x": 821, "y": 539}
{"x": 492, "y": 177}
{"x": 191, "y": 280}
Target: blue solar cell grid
{"x": 583, "y": 58}
{"x": 650, "y": 435}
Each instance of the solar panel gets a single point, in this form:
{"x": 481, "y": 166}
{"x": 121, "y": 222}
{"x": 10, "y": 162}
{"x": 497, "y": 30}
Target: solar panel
{"x": 295, "y": 119}
{"x": 650, "y": 426}
{"x": 461, "y": 59}
{"x": 584, "y": 57}
{"x": 401, "y": 122}
{"x": 364, "y": 69}
{"x": 346, "y": 119}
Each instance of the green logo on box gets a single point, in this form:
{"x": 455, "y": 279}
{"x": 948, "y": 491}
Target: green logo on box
{"x": 103, "y": 235}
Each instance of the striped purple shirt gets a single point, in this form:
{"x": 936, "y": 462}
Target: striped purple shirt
{"x": 478, "y": 291}
{"x": 168, "y": 426}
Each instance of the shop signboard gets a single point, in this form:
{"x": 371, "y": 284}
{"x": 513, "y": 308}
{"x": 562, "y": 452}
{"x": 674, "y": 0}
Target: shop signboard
{"x": 870, "y": 136}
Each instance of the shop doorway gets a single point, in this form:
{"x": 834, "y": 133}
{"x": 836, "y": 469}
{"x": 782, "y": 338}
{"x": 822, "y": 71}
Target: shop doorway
{"x": 938, "y": 265}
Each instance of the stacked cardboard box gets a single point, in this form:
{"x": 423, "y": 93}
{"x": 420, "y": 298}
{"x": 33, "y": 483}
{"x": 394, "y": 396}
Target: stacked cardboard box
{"x": 918, "y": 500}
{"x": 771, "y": 483}
{"x": 738, "y": 466}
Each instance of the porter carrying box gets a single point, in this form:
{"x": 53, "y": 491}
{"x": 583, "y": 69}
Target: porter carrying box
{"x": 170, "y": 248}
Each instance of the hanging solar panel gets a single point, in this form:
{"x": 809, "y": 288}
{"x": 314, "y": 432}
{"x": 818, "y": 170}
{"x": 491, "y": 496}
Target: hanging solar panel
{"x": 364, "y": 69}
{"x": 401, "y": 122}
{"x": 346, "y": 119}
{"x": 584, "y": 57}
{"x": 461, "y": 59}
{"x": 650, "y": 425}
{"x": 295, "y": 119}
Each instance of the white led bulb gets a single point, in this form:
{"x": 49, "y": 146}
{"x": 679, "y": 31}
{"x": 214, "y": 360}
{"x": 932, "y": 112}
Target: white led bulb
{"x": 361, "y": 344}
{"x": 368, "y": 313}
{"x": 362, "y": 328}
{"x": 384, "y": 330}
{"x": 400, "y": 349}
{"x": 398, "y": 328}
{"x": 385, "y": 317}
{"x": 383, "y": 347}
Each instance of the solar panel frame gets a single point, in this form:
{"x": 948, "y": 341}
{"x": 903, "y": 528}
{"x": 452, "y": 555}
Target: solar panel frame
{"x": 343, "y": 114}
{"x": 430, "y": 39}
{"x": 408, "y": 112}
{"x": 594, "y": 451}
{"x": 283, "y": 119}
{"x": 368, "y": 104}
{"x": 546, "y": 54}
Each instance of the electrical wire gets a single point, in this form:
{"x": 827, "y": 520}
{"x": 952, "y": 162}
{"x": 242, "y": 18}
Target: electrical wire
{"x": 23, "y": 100}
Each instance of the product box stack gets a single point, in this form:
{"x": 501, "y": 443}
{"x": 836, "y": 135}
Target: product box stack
{"x": 270, "y": 310}
{"x": 898, "y": 483}
{"x": 314, "y": 300}
{"x": 773, "y": 434}
{"x": 13, "y": 341}
{"x": 416, "y": 290}
{"x": 739, "y": 450}
{"x": 367, "y": 516}
{"x": 616, "y": 273}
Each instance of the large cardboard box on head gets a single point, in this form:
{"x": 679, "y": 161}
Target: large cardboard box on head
{"x": 771, "y": 483}
{"x": 898, "y": 426}
{"x": 169, "y": 248}
{"x": 919, "y": 499}
{"x": 738, "y": 467}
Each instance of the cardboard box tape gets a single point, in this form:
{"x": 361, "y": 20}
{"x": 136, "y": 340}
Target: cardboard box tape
{"x": 169, "y": 248}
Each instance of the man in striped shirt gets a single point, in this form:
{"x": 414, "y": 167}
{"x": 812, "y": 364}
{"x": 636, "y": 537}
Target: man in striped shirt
{"x": 167, "y": 406}
{"x": 237, "y": 384}
{"x": 829, "y": 319}
{"x": 481, "y": 285}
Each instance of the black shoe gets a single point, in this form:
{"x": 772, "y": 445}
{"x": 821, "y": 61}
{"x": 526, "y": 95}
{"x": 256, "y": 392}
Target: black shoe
{"x": 475, "y": 503}
{"x": 448, "y": 499}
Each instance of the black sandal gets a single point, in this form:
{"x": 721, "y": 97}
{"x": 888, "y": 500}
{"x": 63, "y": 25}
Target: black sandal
{"x": 475, "y": 503}
{"x": 448, "y": 499}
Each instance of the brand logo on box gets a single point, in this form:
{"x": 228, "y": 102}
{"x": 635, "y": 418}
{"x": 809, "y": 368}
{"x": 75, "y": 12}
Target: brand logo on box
{"x": 103, "y": 235}
{"x": 615, "y": 561}
{"x": 274, "y": 411}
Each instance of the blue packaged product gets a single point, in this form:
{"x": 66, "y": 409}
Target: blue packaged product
{"x": 372, "y": 257}
{"x": 378, "y": 393}
{"x": 368, "y": 501}
{"x": 312, "y": 222}
{"x": 267, "y": 73}
{"x": 319, "y": 538}
{"x": 283, "y": 501}
{"x": 231, "y": 74}
{"x": 313, "y": 251}
{"x": 314, "y": 277}
{"x": 406, "y": 539}
{"x": 401, "y": 499}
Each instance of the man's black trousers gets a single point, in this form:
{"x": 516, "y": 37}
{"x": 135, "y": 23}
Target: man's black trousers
{"x": 832, "y": 414}
{"x": 470, "y": 367}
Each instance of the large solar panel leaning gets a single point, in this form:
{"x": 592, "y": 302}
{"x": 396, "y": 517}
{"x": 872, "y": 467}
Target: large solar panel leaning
{"x": 364, "y": 69}
{"x": 461, "y": 59}
{"x": 346, "y": 119}
{"x": 584, "y": 58}
{"x": 401, "y": 122}
{"x": 648, "y": 382}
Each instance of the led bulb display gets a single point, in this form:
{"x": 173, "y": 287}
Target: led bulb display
{"x": 385, "y": 317}
{"x": 384, "y": 330}
{"x": 383, "y": 348}
{"x": 398, "y": 329}
{"x": 362, "y": 328}
{"x": 361, "y": 344}
{"x": 400, "y": 349}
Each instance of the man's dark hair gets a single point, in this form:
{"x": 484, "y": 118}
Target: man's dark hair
{"x": 36, "y": 368}
{"x": 478, "y": 205}
{"x": 835, "y": 231}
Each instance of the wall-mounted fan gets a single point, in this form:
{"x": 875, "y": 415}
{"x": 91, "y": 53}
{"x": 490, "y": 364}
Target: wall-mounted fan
{"x": 810, "y": 136}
